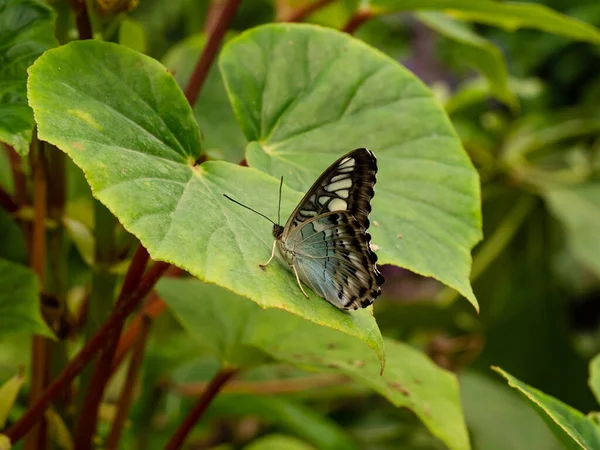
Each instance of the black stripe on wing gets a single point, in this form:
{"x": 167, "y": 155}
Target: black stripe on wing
{"x": 347, "y": 185}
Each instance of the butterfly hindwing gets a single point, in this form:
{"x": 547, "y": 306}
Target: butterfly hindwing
{"x": 347, "y": 185}
{"x": 332, "y": 255}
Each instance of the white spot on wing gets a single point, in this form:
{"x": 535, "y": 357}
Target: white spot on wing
{"x": 308, "y": 212}
{"x": 337, "y": 204}
{"x": 348, "y": 162}
{"x": 342, "y": 184}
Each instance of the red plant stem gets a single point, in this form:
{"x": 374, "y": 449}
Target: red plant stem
{"x": 40, "y": 361}
{"x": 77, "y": 364}
{"x": 82, "y": 19}
{"x": 127, "y": 391}
{"x": 18, "y": 176}
{"x": 357, "y": 20}
{"x": 152, "y": 309}
{"x": 103, "y": 368}
{"x": 7, "y": 202}
{"x": 300, "y": 13}
{"x": 213, "y": 388}
{"x": 210, "y": 50}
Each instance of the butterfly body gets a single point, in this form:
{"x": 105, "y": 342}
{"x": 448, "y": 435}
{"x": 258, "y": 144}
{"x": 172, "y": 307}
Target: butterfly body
{"x": 325, "y": 240}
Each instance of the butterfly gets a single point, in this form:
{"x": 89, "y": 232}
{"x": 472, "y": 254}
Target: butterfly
{"x": 325, "y": 241}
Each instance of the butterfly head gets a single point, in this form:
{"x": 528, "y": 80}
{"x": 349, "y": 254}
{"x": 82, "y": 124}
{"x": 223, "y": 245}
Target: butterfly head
{"x": 277, "y": 231}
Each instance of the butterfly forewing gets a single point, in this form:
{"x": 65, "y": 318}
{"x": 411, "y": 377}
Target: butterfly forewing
{"x": 347, "y": 185}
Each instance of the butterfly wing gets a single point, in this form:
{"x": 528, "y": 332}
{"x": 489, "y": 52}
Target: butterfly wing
{"x": 347, "y": 185}
{"x": 332, "y": 255}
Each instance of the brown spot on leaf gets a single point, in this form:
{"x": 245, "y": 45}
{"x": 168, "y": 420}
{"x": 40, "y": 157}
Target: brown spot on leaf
{"x": 77, "y": 146}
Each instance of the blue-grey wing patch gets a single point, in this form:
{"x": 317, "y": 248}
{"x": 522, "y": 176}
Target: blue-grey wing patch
{"x": 333, "y": 257}
{"x": 347, "y": 185}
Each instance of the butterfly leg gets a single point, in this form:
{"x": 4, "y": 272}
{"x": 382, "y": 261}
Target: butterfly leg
{"x": 298, "y": 280}
{"x": 272, "y": 255}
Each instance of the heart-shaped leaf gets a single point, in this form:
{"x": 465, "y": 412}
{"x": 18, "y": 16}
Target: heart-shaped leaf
{"x": 305, "y": 95}
{"x": 123, "y": 120}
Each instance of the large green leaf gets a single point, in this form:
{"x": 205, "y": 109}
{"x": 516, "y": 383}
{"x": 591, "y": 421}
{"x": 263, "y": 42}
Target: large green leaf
{"x": 578, "y": 209}
{"x": 19, "y": 302}
{"x": 410, "y": 378}
{"x": 570, "y": 426}
{"x": 509, "y": 15}
{"x": 222, "y": 137}
{"x": 476, "y": 51}
{"x": 305, "y": 95}
{"x": 122, "y": 119}
{"x": 26, "y": 31}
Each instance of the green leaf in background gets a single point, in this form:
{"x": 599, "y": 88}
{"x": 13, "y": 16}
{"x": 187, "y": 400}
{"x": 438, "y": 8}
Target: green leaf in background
{"x": 122, "y": 119}
{"x": 508, "y": 15}
{"x": 278, "y": 442}
{"x": 19, "y": 302}
{"x": 291, "y": 416}
{"x": 26, "y": 31}
{"x": 132, "y": 35}
{"x": 488, "y": 403}
{"x": 215, "y": 317}
{"x": 13, "y": 246}
{"x": 305, "y": 95}
{"x": 571, "y": 427}
{"x": 8, "y": 394}
{"x": 577, "y": 207}
{"x": 594, "y": 381}
{"x": 221, "y": 135}
{"x": 410, "y": 378}
{"x": 475, "y": 51}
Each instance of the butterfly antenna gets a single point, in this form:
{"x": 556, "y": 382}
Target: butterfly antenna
{"x": 247, "y": 207}
{"x": 279, "y": 206}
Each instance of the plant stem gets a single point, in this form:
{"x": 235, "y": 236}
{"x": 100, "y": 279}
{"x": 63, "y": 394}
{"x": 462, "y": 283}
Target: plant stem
{"x": 359, "y": 17}
{"x": 40, "y": 362}
{"x": 213, "y": 388}
{"x": 127, "y": 391}
{"x": 101, "y": 299}
{"x": 82, "y": 19}
{"x": 210, "y": 50}
{"x": 102, "y": 369}
{"x": 91, "y": 348}
{"x": 153, "y": 308}
{"x": 18, "y": 176}
{"x": 283, "y": 386}
{"x": 300, "y": 13}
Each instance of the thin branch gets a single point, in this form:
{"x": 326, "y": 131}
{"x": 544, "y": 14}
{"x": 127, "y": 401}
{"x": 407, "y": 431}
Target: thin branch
{"x": 129, "y": 386}
{"x": 19, "y": 180}
{"x": 282, "y": 386}
{"x": 102, "y": 369}
{"x": 40, "y": 361}
{"x": 82, "y": 19}
{"x": 152, "y": 309}
{"x": 35, "y": 412}
{"x": 299, "y": 14}
{"x": 359, "y": 17}
{"x": 213, "y": 388}
{"x": 210, "y": 50}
